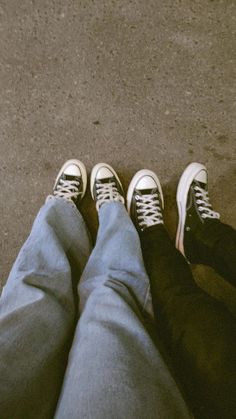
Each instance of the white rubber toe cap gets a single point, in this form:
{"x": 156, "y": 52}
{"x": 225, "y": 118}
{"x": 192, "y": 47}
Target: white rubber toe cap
{"x": 72, "y": 170}
{"x": 201, "y": 176}
{"x": 104, "y": 173}
{"x": 146, "y": 182}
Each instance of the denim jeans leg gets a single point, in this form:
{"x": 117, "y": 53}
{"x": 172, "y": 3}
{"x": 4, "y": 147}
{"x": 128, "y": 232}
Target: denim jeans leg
{"x": 38, "y": 312}
{"x": 114, "y": 369}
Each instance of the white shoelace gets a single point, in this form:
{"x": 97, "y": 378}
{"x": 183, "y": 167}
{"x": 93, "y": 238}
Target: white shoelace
{"x": 149, "y": 210}
{"x": 67, "y": 189}
{"x": 203, "y": 203}
{"x": 107, "y": 192}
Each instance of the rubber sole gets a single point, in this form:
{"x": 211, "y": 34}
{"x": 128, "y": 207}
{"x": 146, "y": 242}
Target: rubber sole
{"x": 185, "y": 182}
{"x": 83, "y": 171}
{"x": 134, "y": 182}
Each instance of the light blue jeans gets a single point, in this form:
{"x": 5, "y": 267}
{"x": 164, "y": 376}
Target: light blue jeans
{"x": 103, "y": 366}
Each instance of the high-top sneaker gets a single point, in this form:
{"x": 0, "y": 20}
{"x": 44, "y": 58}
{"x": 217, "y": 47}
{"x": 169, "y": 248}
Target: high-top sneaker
{"x": 71, "y": 182}
{"x": 105, "y": 185}
{"x": 196, "y": 216}
{"x": 145, "y": 201}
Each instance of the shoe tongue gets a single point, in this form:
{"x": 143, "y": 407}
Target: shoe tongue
{"x": 65, "y": 176}
{"x": 202, "y": 185}
{"x": 106, "y": 180}
{"x": 147, "y": 191}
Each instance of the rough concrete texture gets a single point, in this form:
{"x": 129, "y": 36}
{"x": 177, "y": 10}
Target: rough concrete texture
{"x": 134, "y": 83}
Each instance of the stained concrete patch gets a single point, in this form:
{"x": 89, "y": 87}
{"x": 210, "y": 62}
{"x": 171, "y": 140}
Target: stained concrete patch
{"x": 134, "y": 83}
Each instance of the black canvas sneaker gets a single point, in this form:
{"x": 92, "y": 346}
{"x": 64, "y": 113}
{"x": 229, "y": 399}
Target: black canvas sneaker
{"x": 71, "y": 182}
{"x": 105, "y": 185}
{"x": 145, "y": 201}
{"x": 194, "y": 208}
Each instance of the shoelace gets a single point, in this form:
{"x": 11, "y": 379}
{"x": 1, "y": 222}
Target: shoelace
{"x": 203, "y": 203}
{"x": 107, "y": 192}
{"x": 67, "y": 189}
{"x": 149, "y": 210}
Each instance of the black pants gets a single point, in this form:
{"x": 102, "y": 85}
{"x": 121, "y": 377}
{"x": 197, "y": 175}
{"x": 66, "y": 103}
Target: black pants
{"x": 198, "y": 332}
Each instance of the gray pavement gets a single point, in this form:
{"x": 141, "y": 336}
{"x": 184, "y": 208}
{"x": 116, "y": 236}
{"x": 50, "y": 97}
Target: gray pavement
{"x": 133, "y": 83}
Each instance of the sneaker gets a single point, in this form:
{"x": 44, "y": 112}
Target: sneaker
{"x": 71, "y": 182}
{"x": 194, "y": 207}
{"x": 145, "y": 201}
{"x": 105, "y": 185}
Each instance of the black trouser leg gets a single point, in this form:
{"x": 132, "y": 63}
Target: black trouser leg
{"x": 199, "y": 332}
{"x": 214, "y": 245}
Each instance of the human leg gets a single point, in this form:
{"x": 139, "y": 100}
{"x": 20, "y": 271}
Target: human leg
{"x": 199, "y": 332}
{"x": 114, "y": 369}
{"x": 38, "y": 308}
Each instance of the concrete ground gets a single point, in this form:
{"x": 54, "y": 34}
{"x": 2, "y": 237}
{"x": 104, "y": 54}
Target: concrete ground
{"x": 134, "y": 83}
